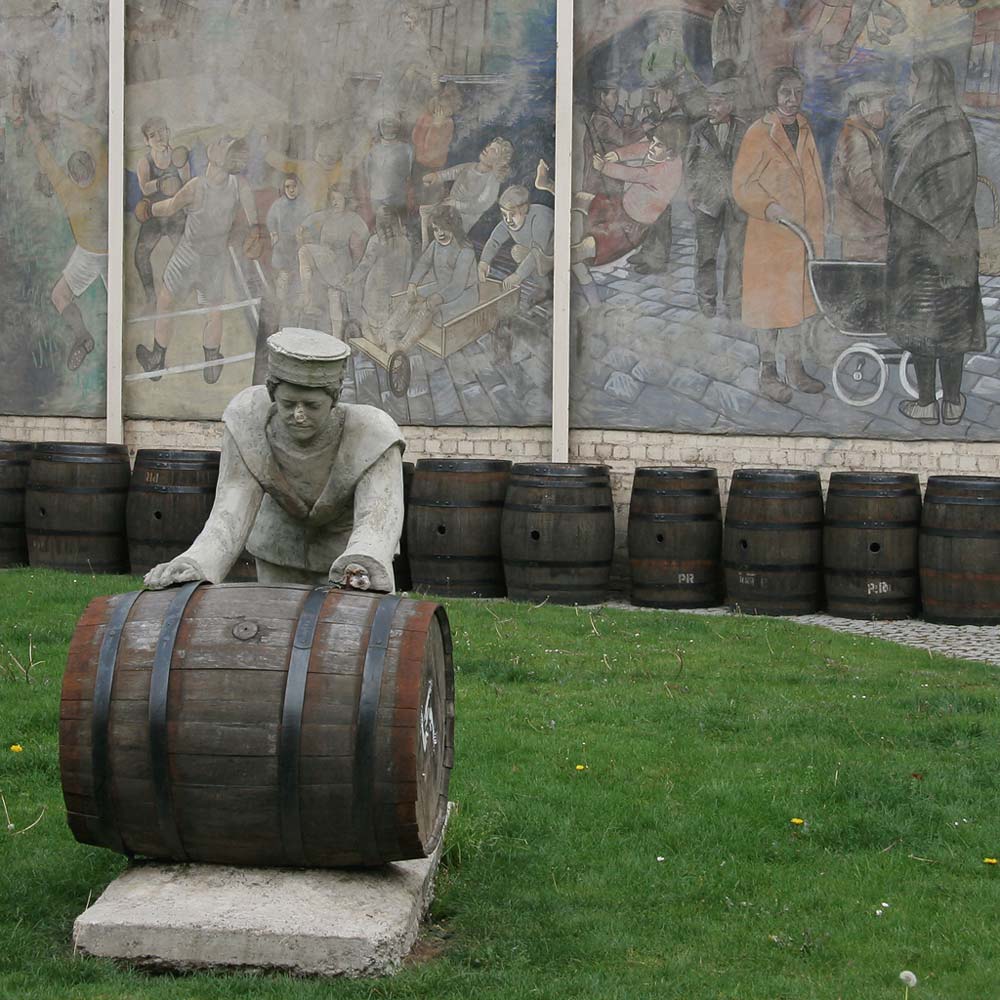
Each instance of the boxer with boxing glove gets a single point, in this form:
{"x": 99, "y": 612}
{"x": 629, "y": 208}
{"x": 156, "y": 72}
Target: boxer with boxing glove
{"x": 162, "y": 171}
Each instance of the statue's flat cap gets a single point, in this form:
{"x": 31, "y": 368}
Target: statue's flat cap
{"x": 306, "y": 357}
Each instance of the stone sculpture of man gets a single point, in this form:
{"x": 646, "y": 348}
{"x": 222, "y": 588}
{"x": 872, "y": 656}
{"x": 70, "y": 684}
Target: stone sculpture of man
{"x": 312, "y": 487}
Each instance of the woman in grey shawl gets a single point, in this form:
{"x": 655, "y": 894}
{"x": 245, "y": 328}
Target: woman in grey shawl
{"x": 934, "y": 308}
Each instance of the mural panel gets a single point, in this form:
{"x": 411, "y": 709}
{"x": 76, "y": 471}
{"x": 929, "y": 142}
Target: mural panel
{"x": 53, "y": 206}
{"x": 785, "y": 217}
{"x": 365, "y": 167}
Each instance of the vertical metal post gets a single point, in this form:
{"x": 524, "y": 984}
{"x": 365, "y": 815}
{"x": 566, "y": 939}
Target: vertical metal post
{"x": 115, "y": 422}
{"x": 563, "y": 172}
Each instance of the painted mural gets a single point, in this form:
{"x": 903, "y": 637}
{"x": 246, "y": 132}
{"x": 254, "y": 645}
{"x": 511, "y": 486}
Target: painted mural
{"x": 786, "y": 217}
{"x": 53, "y": 206}
{"x": 364, "y": 167}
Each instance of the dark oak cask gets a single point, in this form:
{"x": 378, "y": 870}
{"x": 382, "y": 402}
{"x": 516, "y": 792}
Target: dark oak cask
{"x": 15, "y": 457}
{"x": 773, "y": 542}
{"x": 960, "y": 550}
{"x": 675, "y": 538}
{"x": 453, "y": 526}
{"x": 245, "y": 724}
{"x": 74, "y": 507}
{"x": 871, "y": 537}
{"x": 169, "y": 499}
{"x": 558, "y": 533}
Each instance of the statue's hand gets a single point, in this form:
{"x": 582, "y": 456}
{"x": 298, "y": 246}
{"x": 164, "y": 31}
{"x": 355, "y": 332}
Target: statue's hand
{"x": 356, "y": 577}
{"x": 182, "y": 569}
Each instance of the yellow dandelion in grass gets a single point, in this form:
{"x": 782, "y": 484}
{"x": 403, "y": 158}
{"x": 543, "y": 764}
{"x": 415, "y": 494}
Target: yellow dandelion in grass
{"x": 797, "y": 821}
{"x": 989, "y": 861}
{"x": 16, "y": 748}
{"x": 582, "y": 767}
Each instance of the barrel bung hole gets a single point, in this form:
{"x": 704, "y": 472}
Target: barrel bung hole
{"x": 441, "y": 529}
{"x": 744, "y": 544}
{"x": 535, "y": 535}
{"x": 41, "y": 512}
{"x": 874, "y": 547}
{"x": 659, "y": 538}
{"x": 158, "y": 514}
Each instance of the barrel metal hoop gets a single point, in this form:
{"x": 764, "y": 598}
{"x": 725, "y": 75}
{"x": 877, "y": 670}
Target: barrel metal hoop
{"x": 103, "y": 682}
{"x": 169, "y": 489}
{"x": 290, "y": 740}
{"x": 839, "y": 522}
{"x": 647, "y": 491}
{"x": 159, "y": 688}
{"x": 774, "y": 525}
{"x": 561, "y": 564}
{"x": 455, "y": 504}
{"x": 365, "y": 741}
{"x": 553, "y": 508}
{"x": 743, "y": 567}
{"x": 675, "y": 518}
{"x": 82, "y": 490}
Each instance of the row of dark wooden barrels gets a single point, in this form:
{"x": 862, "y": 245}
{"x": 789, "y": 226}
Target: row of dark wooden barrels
{"x": 536, "y": 532}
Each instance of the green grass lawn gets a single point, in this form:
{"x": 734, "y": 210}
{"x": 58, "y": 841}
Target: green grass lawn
{"x": 626, "y": 783}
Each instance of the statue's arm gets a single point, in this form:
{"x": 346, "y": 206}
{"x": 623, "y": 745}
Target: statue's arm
{"x": 378, "y": 523}
{"x": 213, "y": 553}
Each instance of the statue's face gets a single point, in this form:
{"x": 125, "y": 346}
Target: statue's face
{"x": 303, "y": 410}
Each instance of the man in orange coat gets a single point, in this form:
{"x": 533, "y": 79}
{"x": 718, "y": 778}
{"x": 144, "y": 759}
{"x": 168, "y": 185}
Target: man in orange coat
{"x": 778, "y": 176}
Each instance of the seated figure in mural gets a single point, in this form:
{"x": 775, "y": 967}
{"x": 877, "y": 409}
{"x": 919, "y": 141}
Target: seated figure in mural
{"x": 312, "y": 487}
{"x": 201, "y": 258}
{"x": 651, "y": 173}
{"x": 475, "y": 187}
{"x": 332, "y": 243}
{"x": 665, "y": 56}
{"x": 284, "y": 220}
{"x": 162, "y": 171}
{"x": 444, "y": 283}
{"x": 778, "y": 176}
{"x": 383, "y": 270}
{"x": 531, "y": 229}
{"x": 82, "y": 190}
{"x": 859, "y": 175}
{"x": 934, "y": 303}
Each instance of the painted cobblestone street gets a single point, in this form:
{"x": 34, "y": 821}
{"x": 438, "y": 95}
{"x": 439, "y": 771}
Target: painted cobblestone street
{"x": 647, "y": 358}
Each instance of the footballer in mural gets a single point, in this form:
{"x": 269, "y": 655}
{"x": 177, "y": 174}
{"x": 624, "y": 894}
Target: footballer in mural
{"x": 785, "y": 217}
{"x": 366, "y": 169}
{"x": 53, "y": 206}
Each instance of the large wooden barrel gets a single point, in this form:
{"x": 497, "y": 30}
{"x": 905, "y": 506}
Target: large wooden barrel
{"x": 401, "y": 563}
{"x": 558, "y": 533}
{"x": 871, "y": 535}
{"x": 675, "y": 538}
{"x": 453, "y": 526}
{"x": 773, "y": 542}
{"x": 247, "y": 724}
{"x": 74, "y": 507}
{"x": 960, "y": 550}
{"x": 15, "y": 456}
{"x": 169, "y": 500}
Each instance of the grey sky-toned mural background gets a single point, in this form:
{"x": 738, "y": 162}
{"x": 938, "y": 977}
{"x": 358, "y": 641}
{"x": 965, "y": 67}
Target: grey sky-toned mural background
{"x": 696, "y": 307}
{"x": 361, "y": 168}
{"x": 53, "y": 206}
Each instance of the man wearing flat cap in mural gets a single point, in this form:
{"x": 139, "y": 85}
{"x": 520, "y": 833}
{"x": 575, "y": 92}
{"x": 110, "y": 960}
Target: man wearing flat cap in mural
{"x": 312, "y": 487}
{"x": 858, "y": 175}
{"x": 708, "y": 169}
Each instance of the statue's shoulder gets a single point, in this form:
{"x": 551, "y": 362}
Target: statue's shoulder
{"x": 248, "y": 408}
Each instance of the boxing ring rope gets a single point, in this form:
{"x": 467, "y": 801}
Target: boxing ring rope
{"x": 194, "y": 367}
{"x": 200, "y": 311}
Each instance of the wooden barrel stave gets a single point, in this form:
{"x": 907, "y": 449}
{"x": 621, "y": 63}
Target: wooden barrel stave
{"x": 675, "y": 538}
{"x": 870, "y": 545}
{"x": 15, "y": 457}
{"x": 773, "y": 541}
{"x": 453, "y": 526}
{"x": 401, "y": 563}
{"x": 557, "y": 534}
{"x": 75, "y": 507}
{"x": 960, "y": 550}
{"x": 235, "y": 718}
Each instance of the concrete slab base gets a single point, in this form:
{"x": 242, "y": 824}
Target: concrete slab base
{"x": 315, "y": 922}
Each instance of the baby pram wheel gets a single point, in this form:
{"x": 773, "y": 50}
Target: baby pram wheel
{"x": 859, "y": 375}
{"x": 909, "y": 384}
{"x": 398, "y": 369}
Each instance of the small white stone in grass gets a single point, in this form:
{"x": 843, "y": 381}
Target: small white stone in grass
{"x": 885, "y": 906}
{"x": 660, "y": 857}
{"x": 907, "y": 978}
